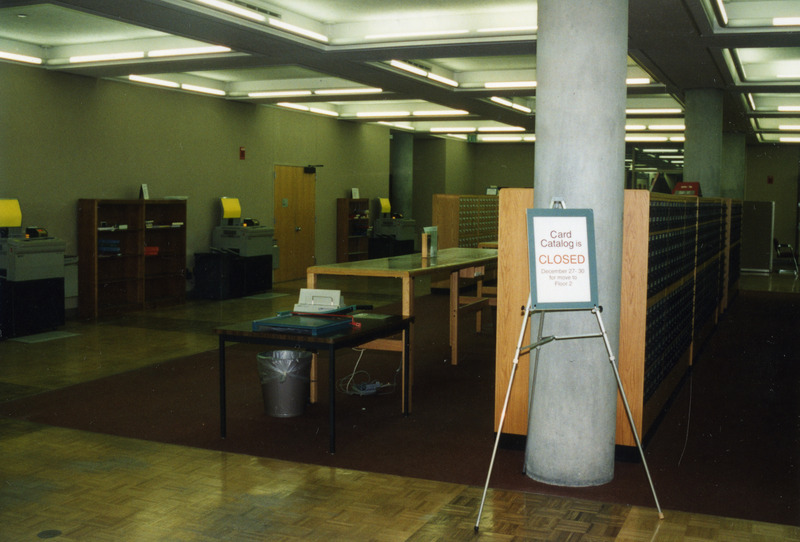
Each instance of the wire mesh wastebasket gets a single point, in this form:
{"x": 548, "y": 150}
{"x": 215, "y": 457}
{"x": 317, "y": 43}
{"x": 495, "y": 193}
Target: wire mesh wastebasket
{"x": 285, "y": 377}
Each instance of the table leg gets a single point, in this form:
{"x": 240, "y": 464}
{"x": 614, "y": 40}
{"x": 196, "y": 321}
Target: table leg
{"x": 222, "y": 398}
{"x": 408, "y": 310}
{"x": 313, "y": 394}
{"x": 407, "y": 376}
{"x": 454, "y": 318}
{"x": 479, "y": 314}
{"x": 332, "y": 399}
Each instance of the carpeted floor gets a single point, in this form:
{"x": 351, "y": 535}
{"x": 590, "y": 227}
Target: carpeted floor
{"x": 739, "y": 456}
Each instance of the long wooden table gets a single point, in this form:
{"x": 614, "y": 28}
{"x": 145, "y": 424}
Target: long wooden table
{"x": 453, "y": 262}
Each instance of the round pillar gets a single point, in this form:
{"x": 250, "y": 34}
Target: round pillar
{"x": 580, "y": 156}
{"x": 703, "y": 147}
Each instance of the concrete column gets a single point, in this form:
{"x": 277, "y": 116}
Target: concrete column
{"x": 703, "y": 147}
{"x": 580, "y": 155}
{"x": 734, "y": 166}
{"x": 401, "y": 169}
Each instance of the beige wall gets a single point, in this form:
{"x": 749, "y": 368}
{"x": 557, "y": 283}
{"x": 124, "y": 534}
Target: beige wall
{"x": 455, "y": 167}
{"x": 781, "y": 163}
{"x": 65, "y": 137}
{"x": 430, "y": 172}
{"x": 507, "y": 164}
{"x": 458, "y": 167}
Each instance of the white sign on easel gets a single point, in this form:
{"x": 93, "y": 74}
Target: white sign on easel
{"x": 563, "y": 273}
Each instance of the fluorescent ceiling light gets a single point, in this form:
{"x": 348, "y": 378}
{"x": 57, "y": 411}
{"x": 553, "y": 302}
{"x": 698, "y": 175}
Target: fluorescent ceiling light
{"x": 795, "y": 75}
{"x": 408, "y": 67}
{"x": 457, "y": 136}
{"x": 233, "y": 8}
{"x": 501, "y": 139}
{"x": 20, "y": 58}
{"x": 277, "y": 23}
{"x": 637, "y": 81}
{"x": 501, "y": 129}
{"x": 677, "y": 139}
{"x": 203, "y": 90}
{"x": 653, "y": 111}
{"x": 441, "y": 79}
{"x": 666, "y": 127}
{"x": 645, "y": 139}
{"x": 788, "y": 139}
{"x": 751, "y": 101}
{"x": 501, "y": 101}
{"x": 786, "y": 21}
{"x": 458, "y": 129}
{"x": 279, "y": 93}
{"x": 509, "y": 29}
{"x": 635, "y": 127}
{"x": 131, "y": 55}
{"x": 210, "y": 49}
{"x": 397, "y": 125}
{"x": 722, "y": 12}
{"x": 441, "y": 113}
{"x": 509, "y": 103}
{"x": 656, "y": 151}
{"x": 368, "y": 114}
{"x": 429, "y": 34}
{"x": 290, "y": 105}
{"x": 405, "y": 66}
{"x": 789, "y": 108}
{"x": 509, "y": 84}
{"x": 154, "y": 81}
{"x": 345, "y": 91}
{"x": 529, "y": 138}
{"x": 327, "y": 112}
{"x": 789, "y": 127}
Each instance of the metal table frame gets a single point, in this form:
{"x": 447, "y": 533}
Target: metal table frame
{"x": 370, "y": 329}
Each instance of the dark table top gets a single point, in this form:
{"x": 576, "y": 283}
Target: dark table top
{"x": 373, "y": 327}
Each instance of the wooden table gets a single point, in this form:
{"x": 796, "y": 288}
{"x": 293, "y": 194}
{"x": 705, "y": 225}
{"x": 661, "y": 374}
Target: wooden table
{"x": 455, "y": 262}
{"x": 370, "y": 329}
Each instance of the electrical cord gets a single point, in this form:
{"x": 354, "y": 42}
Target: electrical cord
{"x": 688, "y": 419}
{"x": 365, "y": 384}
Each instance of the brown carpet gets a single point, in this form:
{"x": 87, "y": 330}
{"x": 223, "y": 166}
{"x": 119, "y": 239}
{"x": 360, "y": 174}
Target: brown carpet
{"x": 739, "y": 457}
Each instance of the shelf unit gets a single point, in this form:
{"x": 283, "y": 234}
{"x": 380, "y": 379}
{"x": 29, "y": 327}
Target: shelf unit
{"x": 352, "y": 229}
{"x": 465, "y": 221}
{"x": 657, "y": 309}
{"x": 131, "y": 255}
{"x": 679, "y": 268}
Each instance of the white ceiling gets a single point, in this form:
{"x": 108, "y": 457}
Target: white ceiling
{"x": 677, "y": 45}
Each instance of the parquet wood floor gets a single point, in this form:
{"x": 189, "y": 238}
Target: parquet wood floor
{"x": 76, "y": 486}
{"x": 70, "y": 485}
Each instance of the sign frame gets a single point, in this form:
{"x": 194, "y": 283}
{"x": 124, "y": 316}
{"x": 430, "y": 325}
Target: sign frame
{"x": 578, "y": 251}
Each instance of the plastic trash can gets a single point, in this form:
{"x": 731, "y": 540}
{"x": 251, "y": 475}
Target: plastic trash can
{"x": 285, "y": 376}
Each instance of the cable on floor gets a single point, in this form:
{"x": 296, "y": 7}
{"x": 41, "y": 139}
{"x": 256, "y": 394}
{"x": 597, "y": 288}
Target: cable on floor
{"x": 688, "y": 418}
{"x": 359, "y": 382}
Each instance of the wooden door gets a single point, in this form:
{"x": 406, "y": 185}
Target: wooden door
{"x": 295, "y": 218}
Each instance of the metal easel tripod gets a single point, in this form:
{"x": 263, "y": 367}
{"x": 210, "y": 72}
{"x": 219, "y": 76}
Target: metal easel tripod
{"x": 541, "y": 341}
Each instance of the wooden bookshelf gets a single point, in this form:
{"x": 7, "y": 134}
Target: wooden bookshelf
{"x": 465, "y": 221}
{"x": 131, "y": 255}
{"x": 352, "y": 228}
{"x": 513, "y": 285}
{"x": 679, "y": 266}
